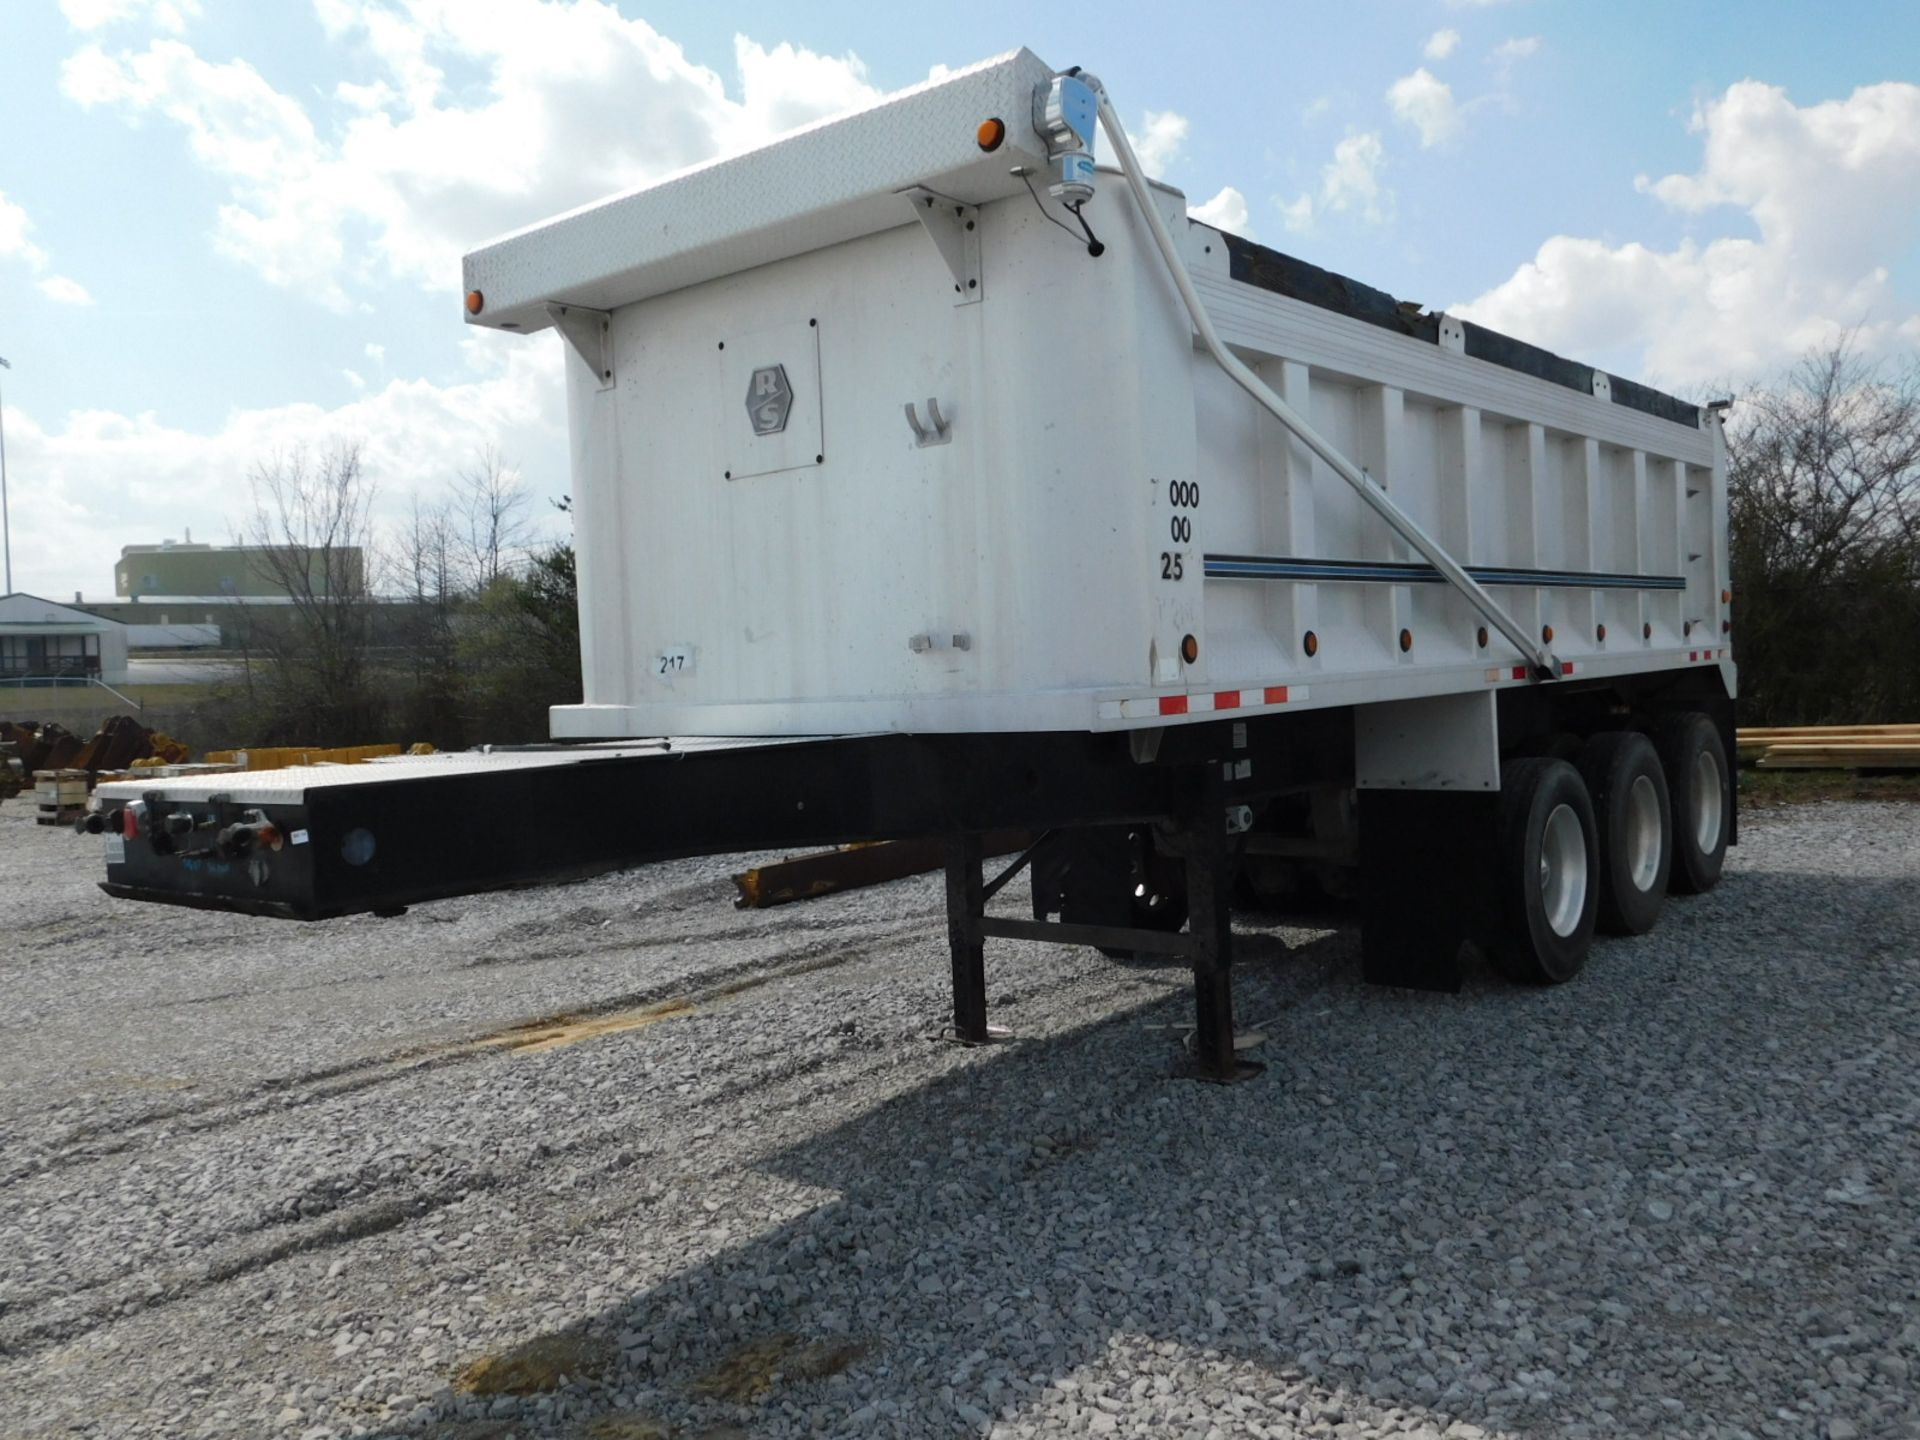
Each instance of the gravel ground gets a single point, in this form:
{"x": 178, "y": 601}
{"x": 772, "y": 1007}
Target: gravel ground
{"x": 615, "y": 1160}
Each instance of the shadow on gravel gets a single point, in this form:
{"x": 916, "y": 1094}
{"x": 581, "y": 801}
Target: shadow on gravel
{"x": 1627, "y": 1204}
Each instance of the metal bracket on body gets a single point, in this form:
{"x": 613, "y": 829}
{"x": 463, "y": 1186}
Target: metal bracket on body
{"x": 590, "y": 333}
{"x": 955, "y": 231}
{"x": 938, "y": 433}
{"x": 1539, "y": 658}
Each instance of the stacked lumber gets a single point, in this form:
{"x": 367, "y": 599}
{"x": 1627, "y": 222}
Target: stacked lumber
{"x": 155, "y": 770}
{"x": 279, "y": 757}
{"x": 1832, "y": 747}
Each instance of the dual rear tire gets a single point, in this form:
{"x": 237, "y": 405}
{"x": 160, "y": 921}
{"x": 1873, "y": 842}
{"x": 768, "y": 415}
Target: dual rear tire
{"x": 1598, "y": 844}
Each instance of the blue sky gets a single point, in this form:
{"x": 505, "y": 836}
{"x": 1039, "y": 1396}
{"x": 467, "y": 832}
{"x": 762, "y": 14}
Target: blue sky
{"x": 227, "y": 229}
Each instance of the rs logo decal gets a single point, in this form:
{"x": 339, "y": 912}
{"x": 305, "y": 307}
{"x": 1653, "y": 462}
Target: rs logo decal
{"x": 769, "y": 399}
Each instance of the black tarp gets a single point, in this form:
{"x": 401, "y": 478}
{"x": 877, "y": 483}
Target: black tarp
{"x": 1267, "y": 269}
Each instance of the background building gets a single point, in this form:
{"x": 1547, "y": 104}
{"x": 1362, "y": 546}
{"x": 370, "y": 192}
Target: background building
{"x": 40, "y": 638}
{"x": 184, "y": 568}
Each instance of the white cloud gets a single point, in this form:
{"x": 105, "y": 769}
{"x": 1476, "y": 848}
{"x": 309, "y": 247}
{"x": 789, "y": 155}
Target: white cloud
{"x": 1352, "y": 178}
{"x": 66, "y": 290}
{"x": 1225, "y": 211}
{"x": 1350, "y": 183}
{"x": 408, "y": 168}
{"x": 377, "y": 353}
{"x": 1441, "y": 44}
{"x": 16, "y": 244}
{"x": 125, "y": 478}
{"x": 170, "y": 15}
{"x": 1509, "y": 53}
{"x": 1426, "y": 103}
{"x": 1832, "y": 189}
{"x": 1159, "y": 140}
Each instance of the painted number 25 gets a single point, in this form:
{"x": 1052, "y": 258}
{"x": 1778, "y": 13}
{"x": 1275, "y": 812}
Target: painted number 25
{"x": 1182, "y": 495}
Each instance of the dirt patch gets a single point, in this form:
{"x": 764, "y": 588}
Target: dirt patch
{"x": 545, "y": 1362}
{"x": 558, "y": 1030}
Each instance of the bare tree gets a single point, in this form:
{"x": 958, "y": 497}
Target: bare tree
{"x": 490, "y": 522}
{"x": 1824, "y": 500}
{"x": 1825, "y": 468}
{"x": 310, "y": 535}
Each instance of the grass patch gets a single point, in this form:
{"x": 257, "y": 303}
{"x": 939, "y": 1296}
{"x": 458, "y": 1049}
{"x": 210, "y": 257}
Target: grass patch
{"x": 752, "y": 1370}
{"x": 545, "y": 1362}
{"x": 625, "y": 1425}
{"x": 1776, "y": 789}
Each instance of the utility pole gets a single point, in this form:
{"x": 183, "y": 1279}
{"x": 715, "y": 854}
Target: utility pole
{"x": 6, "y": 520}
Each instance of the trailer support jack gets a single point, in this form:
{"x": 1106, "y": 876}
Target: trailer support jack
{"x": 1207, "y": 944}
{"x": 966, "y": 904}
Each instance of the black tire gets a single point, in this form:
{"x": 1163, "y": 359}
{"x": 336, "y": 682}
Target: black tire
{"x": 1545, "y": 916}
{"x": 1700, "y": 787}
{"x": 1633, "y": 816}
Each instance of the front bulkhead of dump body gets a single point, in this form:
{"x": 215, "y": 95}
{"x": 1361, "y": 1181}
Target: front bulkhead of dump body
{"x": 767, "y": 544}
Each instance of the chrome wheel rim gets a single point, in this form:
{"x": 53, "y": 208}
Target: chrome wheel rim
{"x": 1563, "y": 871}
{"x": 1643, "y": 833}
{"x": 1709, "y": 798}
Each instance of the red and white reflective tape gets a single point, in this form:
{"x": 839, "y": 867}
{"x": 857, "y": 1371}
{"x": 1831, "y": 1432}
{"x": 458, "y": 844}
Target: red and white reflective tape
{"x": 1149, "y": 707}
{"x": 1698, "y": 655}
{"x": 1523, "y": 672}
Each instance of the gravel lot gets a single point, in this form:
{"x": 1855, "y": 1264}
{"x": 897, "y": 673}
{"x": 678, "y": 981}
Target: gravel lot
{"x": 264, "y": 1180}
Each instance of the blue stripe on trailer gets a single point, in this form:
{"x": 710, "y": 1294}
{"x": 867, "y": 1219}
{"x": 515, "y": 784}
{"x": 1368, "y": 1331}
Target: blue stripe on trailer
{"x": 1402, "y": 572}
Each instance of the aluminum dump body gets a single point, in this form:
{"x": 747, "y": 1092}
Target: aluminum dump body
{"x": 778, "y": 535}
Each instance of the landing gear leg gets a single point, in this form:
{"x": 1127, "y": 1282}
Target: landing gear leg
{"x": 966, "y": 903}
{"x": 1210, "y": 949}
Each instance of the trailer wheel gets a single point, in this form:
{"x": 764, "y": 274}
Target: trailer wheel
{"x": 1701, "y": 787}
{"x": 1548, "y": 873}
{"x": 1158, "y": 894}
{"x": 1111, "y": 875}
{"x": 1633, "y": 817}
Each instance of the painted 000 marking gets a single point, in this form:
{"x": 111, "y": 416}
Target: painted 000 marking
{"x": 1181, "y": 495}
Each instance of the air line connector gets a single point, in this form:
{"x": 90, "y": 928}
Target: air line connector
{"x": 253, "y": 831}
{"x": 1066, "y": 112}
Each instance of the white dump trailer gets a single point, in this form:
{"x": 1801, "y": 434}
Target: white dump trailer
{"x": 948, "y": 480}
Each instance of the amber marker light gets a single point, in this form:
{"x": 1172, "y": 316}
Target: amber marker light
{"x": 1310, "y": 643}
{"x": 476, "y": 302}
{"x": 1406, "y": 641}
{"x": 991, "y": 133}
{"x": 1189, "y": 649}
{"x": 1546, "y": 634}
